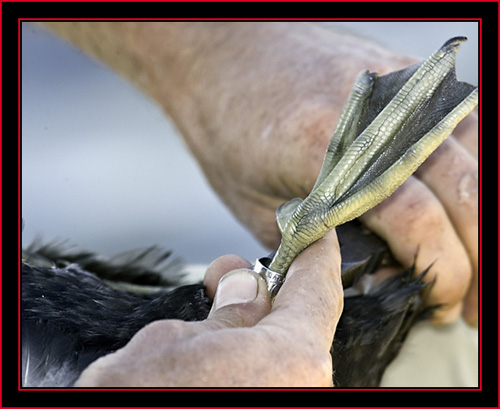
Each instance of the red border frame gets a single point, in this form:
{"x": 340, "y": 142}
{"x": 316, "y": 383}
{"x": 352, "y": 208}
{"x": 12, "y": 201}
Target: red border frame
{"x": 268, "y": 19}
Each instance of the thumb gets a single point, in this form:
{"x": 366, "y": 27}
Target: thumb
{"x": 241, "y": 300}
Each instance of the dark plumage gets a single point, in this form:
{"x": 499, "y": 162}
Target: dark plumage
{"x": 74, "y": 313}
{"x": 70, "y": 317}
{"x": 373, "y": 327}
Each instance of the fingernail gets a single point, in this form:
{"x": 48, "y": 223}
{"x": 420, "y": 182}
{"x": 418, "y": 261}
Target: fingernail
{"x": 237, "y": 287}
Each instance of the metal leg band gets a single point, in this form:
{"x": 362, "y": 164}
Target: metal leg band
{"x": 274, "y": 280}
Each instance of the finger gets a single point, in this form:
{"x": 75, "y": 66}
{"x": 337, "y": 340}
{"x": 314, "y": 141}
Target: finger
{"x": 218, "y": 268}
{"x": 452, "y": 174}
{"x": 241, "y": 300}
{"x": 467, "y": 133}
{"x": 179, "y": 353}
{"x": 310, "y": 301}
{"x": 414, "y": 223}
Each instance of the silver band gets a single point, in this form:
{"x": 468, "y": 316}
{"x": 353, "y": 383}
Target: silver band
{"x": 274, "y": 280}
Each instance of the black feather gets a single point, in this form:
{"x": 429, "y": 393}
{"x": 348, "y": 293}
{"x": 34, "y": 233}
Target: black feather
{"x": 373, "y": 326}
{"x": 147, "y": 266}
{"x": 72, "y": 316}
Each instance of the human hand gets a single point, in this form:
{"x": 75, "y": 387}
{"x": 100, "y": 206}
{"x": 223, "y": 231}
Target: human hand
{"x": 284, "y": 118}
{"x": 434, "y": 215}
{"x": 245, "y": 342}
{"x": 257, "y": 104}
{"x": 278, "y": 153}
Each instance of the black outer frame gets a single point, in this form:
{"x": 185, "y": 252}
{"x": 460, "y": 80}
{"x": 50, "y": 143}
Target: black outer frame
{"x": 486, "y": 395}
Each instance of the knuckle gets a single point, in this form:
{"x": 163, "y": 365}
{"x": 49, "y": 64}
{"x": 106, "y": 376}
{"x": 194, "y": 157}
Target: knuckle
{"x": 316, "y": 368}
{"x": 452, "y": 279}
{"x": 307, "y": 364}
{"x": 324, "y": 370}
{"x": 467, "y": 190}
{"x": 414, "y": 219}
{"x": 423, "y": 215}
{"x": 299, "y": 361}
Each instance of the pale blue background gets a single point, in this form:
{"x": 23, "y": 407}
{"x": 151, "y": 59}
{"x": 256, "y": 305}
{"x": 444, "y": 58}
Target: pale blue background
{"x": 103, "y": 166}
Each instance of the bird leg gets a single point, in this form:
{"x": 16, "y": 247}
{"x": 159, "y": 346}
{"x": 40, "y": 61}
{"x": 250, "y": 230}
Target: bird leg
{"x": 388, "y": 127}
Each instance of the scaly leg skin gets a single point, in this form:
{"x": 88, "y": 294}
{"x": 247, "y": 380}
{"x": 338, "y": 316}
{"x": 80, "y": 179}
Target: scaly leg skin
{"x": 389, "y": 126}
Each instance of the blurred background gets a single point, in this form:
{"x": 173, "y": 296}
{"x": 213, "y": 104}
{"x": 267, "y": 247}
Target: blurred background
{"x": 103, "y": 166}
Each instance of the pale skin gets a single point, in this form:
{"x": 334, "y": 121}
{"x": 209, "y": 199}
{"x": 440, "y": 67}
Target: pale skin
{"x": 244, "y": 342}
{"x": 257, "y": 104}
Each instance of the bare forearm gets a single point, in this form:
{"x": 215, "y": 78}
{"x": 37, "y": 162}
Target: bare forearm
{"x": 213, "y": 73}
{"x": 255, "y": 101}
